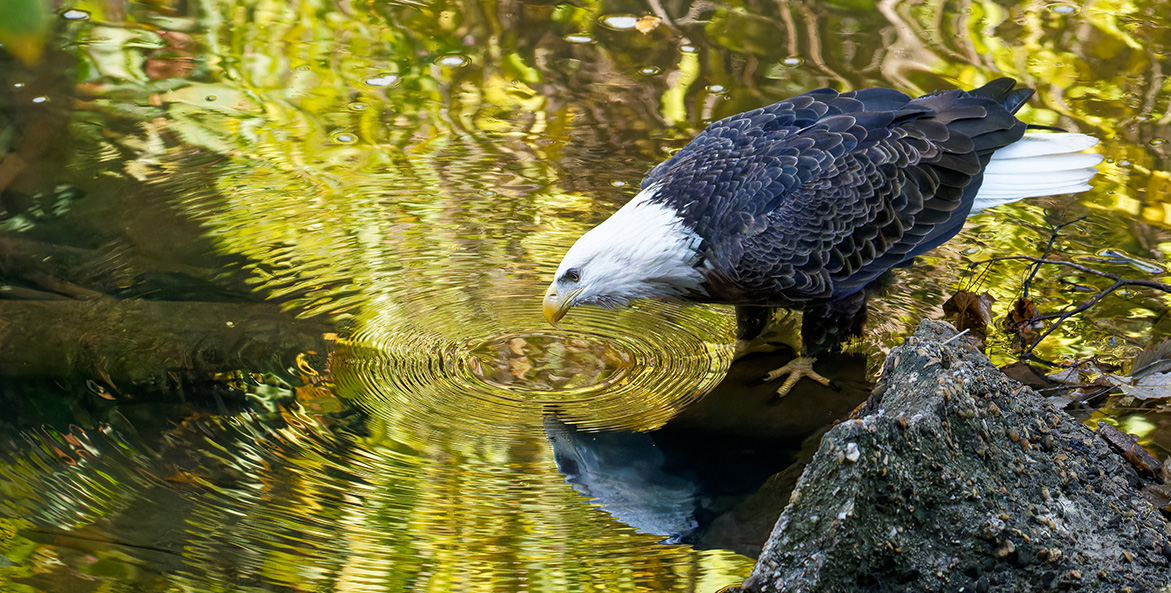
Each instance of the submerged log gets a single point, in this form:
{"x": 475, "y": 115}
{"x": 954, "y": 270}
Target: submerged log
{"x": 954, "y": 477}
{"x": 145, "y": 342}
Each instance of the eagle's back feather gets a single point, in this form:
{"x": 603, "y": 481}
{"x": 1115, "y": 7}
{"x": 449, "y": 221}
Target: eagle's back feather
{"x": 815, "y": 196}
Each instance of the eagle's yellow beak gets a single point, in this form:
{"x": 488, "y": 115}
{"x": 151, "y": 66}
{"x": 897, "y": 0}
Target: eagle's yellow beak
{"x": 555, "y": 307}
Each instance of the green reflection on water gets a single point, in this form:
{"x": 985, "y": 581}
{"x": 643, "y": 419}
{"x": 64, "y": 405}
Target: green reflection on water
{"x": 414, "y": 172}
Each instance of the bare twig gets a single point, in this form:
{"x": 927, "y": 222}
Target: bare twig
{"x": 949, "y": 340}
{"x": 1053, "y": 234}
{"x": 1119, "y": 282}
{"x": 659, "y": 11}
{"x": 691, "y": 18}
{"x": 1085, "y": 397}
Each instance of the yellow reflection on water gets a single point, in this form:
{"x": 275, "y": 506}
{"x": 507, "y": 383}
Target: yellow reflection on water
{"x": 227, "y": 499}
{"x": 413, "y": 171}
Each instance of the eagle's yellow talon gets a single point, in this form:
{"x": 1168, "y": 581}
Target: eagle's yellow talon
{"x": 798, "y": 368}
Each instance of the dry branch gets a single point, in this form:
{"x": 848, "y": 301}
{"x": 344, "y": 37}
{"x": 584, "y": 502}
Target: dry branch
{"x": 1118, "y": 282}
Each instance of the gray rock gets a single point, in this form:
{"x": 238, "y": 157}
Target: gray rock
{"x": 956, "y": 478}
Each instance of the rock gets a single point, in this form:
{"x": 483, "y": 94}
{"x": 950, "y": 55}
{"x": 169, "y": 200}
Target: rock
{"x": 954, "y": 477}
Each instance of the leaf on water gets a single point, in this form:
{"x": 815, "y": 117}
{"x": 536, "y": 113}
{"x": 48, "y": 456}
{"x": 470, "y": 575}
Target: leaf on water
{"x": 475, "y": 366}
{"x": 517, "y": 346}
{"x": 1153, "y": 386}
{"x": 519, "y": 367}
{"x": 1156, "y": 358}
{"x": 969, "y": 311}
{"x": 647, "y": 24}
{"x": 1026, "y": 374}
{"x": 1070, "y": 376}
{"x": 1023, "y": 312}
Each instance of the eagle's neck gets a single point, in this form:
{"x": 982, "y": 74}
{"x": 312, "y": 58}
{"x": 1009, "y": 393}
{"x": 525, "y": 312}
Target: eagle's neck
{"x": 644, "y": 250}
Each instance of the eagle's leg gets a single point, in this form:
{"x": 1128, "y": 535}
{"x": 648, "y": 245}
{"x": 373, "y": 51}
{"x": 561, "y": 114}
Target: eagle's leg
{"x": 751, "y": 322}
{"x": 824, "y": 326}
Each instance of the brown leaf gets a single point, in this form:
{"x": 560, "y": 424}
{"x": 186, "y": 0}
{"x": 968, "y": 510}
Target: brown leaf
{"x": 175, "y": 61}
{"x": 1156, "y": 358}
{"x": 169, "y": 67}
{"x": 647, "y": 24}
{"x": 517, "y": 346}
{"x": 969, "y": 311}
{"x": 519, "y": 367}
{"x": 1026, "y": 374}
{"x": 1023, "y": 312}
{"x": 1153, "y": 386}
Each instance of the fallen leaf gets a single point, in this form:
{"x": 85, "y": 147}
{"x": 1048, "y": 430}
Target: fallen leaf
{"x": 1023, "y": 312}
{"x": 519, "y": 367}
{"x": 1026, "y": 374}
{"x": 169, "y": 67}
{"x": 1070, "y": 376}
{"x": 517, "y": 346}
{"x": 1153, "y": 386}
{"x": 969, "y": 311}
{"x": 647, "y": 24}
{"x": 1156, "y": 358}
{"x": 475, "y": 366}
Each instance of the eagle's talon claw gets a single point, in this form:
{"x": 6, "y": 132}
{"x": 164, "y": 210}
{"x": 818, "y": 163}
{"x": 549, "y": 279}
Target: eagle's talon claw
{"x": 796, "y": 369}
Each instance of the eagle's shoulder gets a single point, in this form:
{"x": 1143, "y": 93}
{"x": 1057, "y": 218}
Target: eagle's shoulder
{"x": 745, "y": 166}
{"x": 765, "y": 130}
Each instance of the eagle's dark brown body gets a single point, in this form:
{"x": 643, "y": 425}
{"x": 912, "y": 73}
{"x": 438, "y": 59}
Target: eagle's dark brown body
{"x": 814, "y": 197}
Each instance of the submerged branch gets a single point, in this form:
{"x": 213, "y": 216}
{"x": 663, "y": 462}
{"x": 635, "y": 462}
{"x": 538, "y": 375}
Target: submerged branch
{"x": 1118, "y": 282}
{"x": 1054, "y": 233}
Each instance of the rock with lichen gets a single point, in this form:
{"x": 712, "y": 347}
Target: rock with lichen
{"x": 956, "y": 478}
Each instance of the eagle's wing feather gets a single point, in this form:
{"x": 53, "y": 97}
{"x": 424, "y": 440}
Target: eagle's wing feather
{"x": 815, "y": 196}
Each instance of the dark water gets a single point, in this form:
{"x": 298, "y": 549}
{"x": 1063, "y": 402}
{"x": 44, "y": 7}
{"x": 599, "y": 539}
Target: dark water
{"x": 272, "y": 277}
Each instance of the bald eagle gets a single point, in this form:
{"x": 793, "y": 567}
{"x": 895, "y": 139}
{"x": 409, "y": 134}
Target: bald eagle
{"x": 807, "y": 202}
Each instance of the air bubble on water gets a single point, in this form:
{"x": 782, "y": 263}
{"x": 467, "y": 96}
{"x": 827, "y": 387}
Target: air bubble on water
{"x": 382, "y": 80}
{"x": 619, "y": 22}
{"x": 453, "y": 61}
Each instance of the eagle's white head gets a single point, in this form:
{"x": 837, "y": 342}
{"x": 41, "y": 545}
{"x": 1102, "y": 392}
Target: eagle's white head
{"x": 644, "y": 250}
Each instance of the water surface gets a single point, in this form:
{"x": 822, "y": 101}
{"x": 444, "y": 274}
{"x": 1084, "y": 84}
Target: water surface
{"x": 274, "y": 278}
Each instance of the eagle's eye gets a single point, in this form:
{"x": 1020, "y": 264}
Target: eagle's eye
{"x": 572, "y": 275}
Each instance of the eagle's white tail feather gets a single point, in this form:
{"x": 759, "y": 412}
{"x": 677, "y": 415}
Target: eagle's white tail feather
{"x": 1040, "y": 164}
{"x": 1040, "y": 179}
{"x": 1043, "y": 143}
{"x": 1051, "y": 162}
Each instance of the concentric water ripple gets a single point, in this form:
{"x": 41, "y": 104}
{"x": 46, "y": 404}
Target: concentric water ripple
{"x": 630, "y": 369}
{"x": 442, "y": 292}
